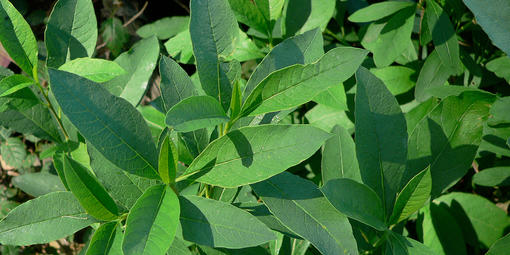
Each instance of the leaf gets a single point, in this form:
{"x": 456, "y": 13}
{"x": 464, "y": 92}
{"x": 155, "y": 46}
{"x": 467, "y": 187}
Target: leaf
{"x": 219, "y": 224}
{"x": 175, "y": 83}
{"x": 444, "y": 37}
{"x": 152, "y": 222}
{"x": 13, "y": 152}
{"x": 333, "y": 97}
{"x": 214, "y": 34}
{"x": 71, "y": 32}
{"x": 107, "y": 239}
{"x": 17, "y": 38}
{"x": 477, "y": 215}
{"x": 500, "y": 247}
{"x": 298, "y": 84}
{"x": 94, "y": 69}
{"x": 89, "y": 192}
{"x": 494, "y": 20}
{"x": 38, "y": 184}
{"x": 34, "y": 222}
{"x": 167, "y": 164}
{"x": 499, "y": 112}
{"x": 257, "y": 14}
{"x": 164, "y": 28}
{"x": 252, "y": 154}
{"x": 110, "y": 123}
{"x": 448, "y": 138}
{"x": 178, "y": 247}
{"x": 412, "y": 197}
{"x": 180, "y": 48}
{"x": 356, "y": 201}
{"x": 433, "y": 74}
{"x": 139, "y": 62}
{"x": 299, "y": 205}
{"x": 378, "y": 11}
{"x": 500, "y": 66}
{"x": 418, "y": 113}
{"x": 339, "y": 157}
{"x": 495, "y": 176}
{"x": 398, "y": 79}
{"x": 397, "y": 244}
{"x": 13, "y": 84}
{"x": 326, "y": 118}
{"x": 115, "y": 35}
{"x": 303, "y": 15}
{"x": 381, "y": 138}
{"x": 195, "y": 113}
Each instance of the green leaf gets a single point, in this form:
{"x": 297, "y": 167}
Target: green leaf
{"x": 115, "y": 35}
{"x": 500, "y": 247}
{"x": 448, "y": 138}
{"x": 71, "y": 32}
{"x": 164, "y": 28}
{"x": 381, "y": 138}
{"x": 499, "y": 112}
{"x": 418, "y": 113}
{"x": 94, "y": 69}
{"x": 397, "y": 244}
{"x": 139, "y": 62}
{"x": 494, "y": 20}
{"x": 257, "y": 14}
{"x": 34, "y": 222}
{"x": 110, "y": 123}
{"x": 252, "y": 154}
{"x": 17, "y": 38}
{"x": 152, "y": 222}
{"x": 501, "y": 67}
{"x": 107, "y": 239}
{"x": 303, "y": 15}
{"x": 378, "y": 11}
{"x": 214, "y": 34}
{"x": 398, "y": 79}
{"x": 195, "y": 113}
{"x": 298, "y": 84}
{"x": 356, "y": 201}
{"x": 333, "y": 97}
{"x": 326, "y": 118}
{"x": 339, "y": 157}
{"x": 180, "y": 48}
{"x": 13, "y": 152}
{"x": 477, "y": 216}
{"x": 219, "y": 224}
{"x": 178, "y": 247}
{"x": 13, "y": 84}
{"x": 175, "y": 83}
{"x": 495, "y": 176}
{"x": 167, "y": 164}
{"x": 433, "y": 74}
{"x": 38, "y": 184}
{"x": 299, "y": 205}
{"x": 58, "y": 164}
{"x": 443, "y": 36}
{"x": 87, "y": 189}
{"x": 412, "y": 197}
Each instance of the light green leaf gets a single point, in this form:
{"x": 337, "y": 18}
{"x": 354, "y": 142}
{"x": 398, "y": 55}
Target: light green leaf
{"x": 500, "y": 247}
{"x": 107, "y": 239}
{"x": 339, "y": 157}
{"x": 108, "y": 122}
{"x": 501, "y": 67}
{"x": 180, "y": 48}
{"x": 167, "y": 164}
{"x": 433, "y": 74}
{"x": 219, "y": 224}
{"x": 298, "y": 84}
{"x": 34, "y": 222}
{"x": 195, "y": 113}
{"x": 175, "y": 84}
{"x": 38, "y": 184}
{"x": 14, "y": 83}
{"x": 333, "y": 97}
{"x": 303, "y": 15}
{"x": 299, "y": 205}
{"x": 326, "y": 118}
{"x": 13, "y": 152}
{"x": 164, "y": 28}
{"x": 398, "y": 79}
{"x": 495, "y": 176}
{"x": 378, "y": 11}
{"x": 71, "y": 32}
{"x": 89, "y": 192}
{"x": 252, "y": 154}
{"x": 94, "y": 69}
{"x": 381, "y": 138}
{"x": 259, "y": 14}
{"x": 152, "y": 222}
{"x": 17, "y": 38}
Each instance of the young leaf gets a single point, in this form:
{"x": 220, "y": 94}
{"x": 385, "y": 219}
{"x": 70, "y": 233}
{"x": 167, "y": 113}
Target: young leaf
{"x": 106, "y": 240}
{"x": 339, "y": 157}
{"x": 71, "y": 31}
{"x": 94, "y": 69}
{"x": 167, "y": 164}
{"x": 175, "y": 83}
{"x": 252, "y": 154}
{"x": 36, "y": 221}
{"x": 356, "y": 201}
{"x": 219, "y": 224}
{"x": 495, "y": 176}
{"x": 108, "y": 122}
{"x": 14, "y": 83}
{"x": 300, "y": 206}
{"x": 381, "y": 138}
{"x": 195, "y": 113}
{"x": 214, "y": 33}
{"x": 298, "y": 84}
{"x": 17, "y": 38}
{"x": 378, "y": 11}
{"x": 87, "y": 189}
{"x": 412, "y": 197}
{"x": 152, "y": 222}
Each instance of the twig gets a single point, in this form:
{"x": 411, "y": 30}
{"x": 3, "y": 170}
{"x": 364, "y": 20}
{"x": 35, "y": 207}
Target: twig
{"x": 182, "y": 5}
{"x": 136, "y": 15}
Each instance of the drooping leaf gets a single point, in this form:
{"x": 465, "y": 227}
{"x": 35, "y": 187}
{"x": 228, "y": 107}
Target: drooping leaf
{"x": 175, "y": 83}
{"x": 118, "y": 131}
{"x": 251, "y": 154}
{"x": 219, "y": 224}
{"x": 195, "y": 113}
{"x": 152, "y": 222}
{"x": 38, "y": 184}
{"x": 378, "y": 11}
{"x": 164, "y": 28}
{"x": 339, "y": 157}
{"x": 167, "y": 164}
{"x": 71, "y": 32}
{"x": 496, "y": 176}
{"x": 94, "y": 69}
{"x": 299, "y": 205}
{"x": 107, "y": 239}
{"x": 34, "y": 222}
{"x": 14, "y": 83}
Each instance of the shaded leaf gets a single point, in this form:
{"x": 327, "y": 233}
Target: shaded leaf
{"x": 195, "y": 113}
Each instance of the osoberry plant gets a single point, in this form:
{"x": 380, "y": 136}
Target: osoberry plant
{"x": 306, "y": 127}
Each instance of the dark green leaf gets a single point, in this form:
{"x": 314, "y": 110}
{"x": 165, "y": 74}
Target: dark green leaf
{"x": 499, "y": 111}
{"x": 115, "y": 35}
{"x": 303, "y": 15}
{"x": 195, "y": 113}
{"x": 106, "y": 240}
{"x": 167, "y": 164}
{"x": 13, "y": 152}
{"x": 175, "y": 83}
{"x": 433, "y": 74}
{"x": 38, "y": 184}
{"x": 339, "y": 157}
{"x": 399, "y": 245}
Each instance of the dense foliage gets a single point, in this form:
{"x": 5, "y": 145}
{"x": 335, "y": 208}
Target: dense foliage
{"x": 285, "y": 127}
